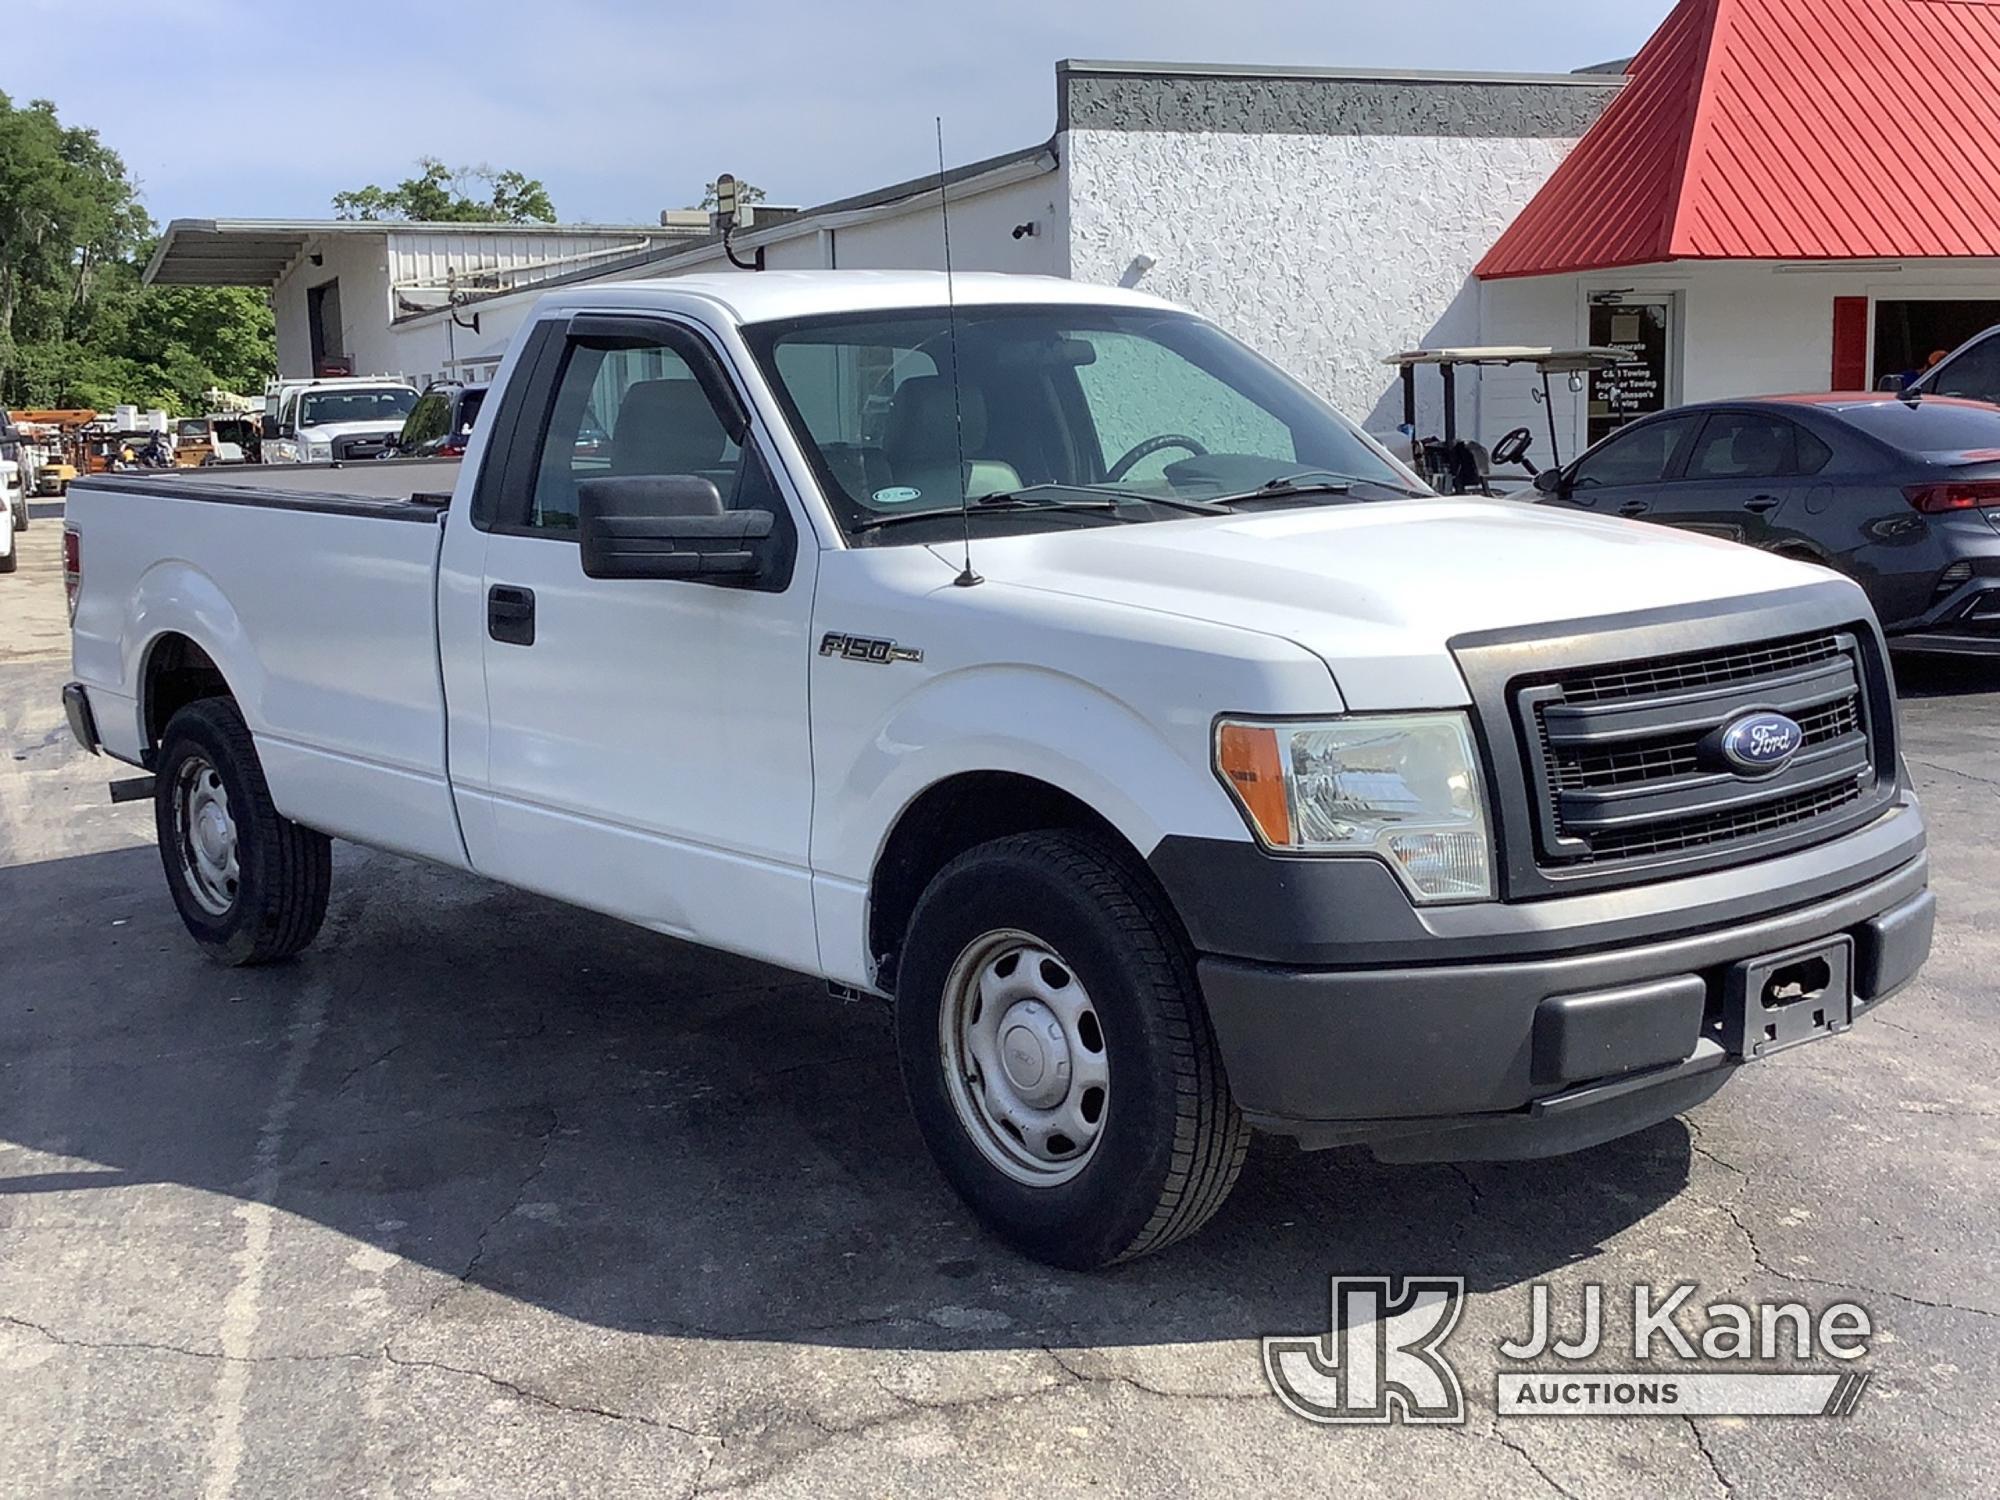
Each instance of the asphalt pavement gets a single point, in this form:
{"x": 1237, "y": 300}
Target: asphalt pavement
{"x": 486, "y": 1196}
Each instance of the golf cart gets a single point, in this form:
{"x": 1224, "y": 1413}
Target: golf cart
{"x": 1463, "y": 466}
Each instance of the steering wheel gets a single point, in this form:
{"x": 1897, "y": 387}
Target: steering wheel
{"x": 1153, "y": 445}
{"x": 1513, "y": 449}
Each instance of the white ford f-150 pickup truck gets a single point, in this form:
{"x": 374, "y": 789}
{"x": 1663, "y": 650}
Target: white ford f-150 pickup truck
{"x": 1062, "y": 671}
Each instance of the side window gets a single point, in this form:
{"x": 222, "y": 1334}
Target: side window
{"x": 1813, "y": 454}
{"x": 1639, "y": 455}
{"x": 1744, "y": 445}
{"x": 1974, "y": 373}
{"x": 625, "y": 407}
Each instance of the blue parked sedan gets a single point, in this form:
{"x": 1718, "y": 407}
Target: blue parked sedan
{"x": 1901, "y": 493}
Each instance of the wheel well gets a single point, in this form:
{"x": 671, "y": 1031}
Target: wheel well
{"x": 178, "y": 672}
{"x": 957, "y": 814}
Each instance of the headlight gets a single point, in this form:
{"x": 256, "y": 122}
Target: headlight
{"x": 319, "y": 453}
{"x": 1404, "y": 788}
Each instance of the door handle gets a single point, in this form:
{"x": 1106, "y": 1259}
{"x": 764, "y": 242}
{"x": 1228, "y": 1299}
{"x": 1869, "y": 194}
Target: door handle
{"x": 510, "y": 614}
{"x": 1762, "y": 503}
{"x": 1634, "y": 508}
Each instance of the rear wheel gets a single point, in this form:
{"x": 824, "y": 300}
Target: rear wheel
{"x": 251, "y": 885}
{"x": 1057, "y": 1054}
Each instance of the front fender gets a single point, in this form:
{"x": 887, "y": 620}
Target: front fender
{"x": 1031, "y": 721}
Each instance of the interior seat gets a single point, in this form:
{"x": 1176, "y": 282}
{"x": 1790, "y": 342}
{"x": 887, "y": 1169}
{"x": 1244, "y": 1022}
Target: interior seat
{"x": 922, "y": 441}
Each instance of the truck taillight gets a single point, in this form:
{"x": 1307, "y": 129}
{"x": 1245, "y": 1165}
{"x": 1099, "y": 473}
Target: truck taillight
{"x": 1962, "y": 494}
{"x": 72, "y": 567}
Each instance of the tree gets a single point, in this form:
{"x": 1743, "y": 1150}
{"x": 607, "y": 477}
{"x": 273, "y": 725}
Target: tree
{"x": 76, "y": 326}
{"x": 438, "y": 195}
{"x": 745, "y": 193}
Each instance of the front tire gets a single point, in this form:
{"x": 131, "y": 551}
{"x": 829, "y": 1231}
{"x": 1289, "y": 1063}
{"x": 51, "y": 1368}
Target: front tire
{"x": 251, "y": 885}
{"x": 1057, "y": 1054}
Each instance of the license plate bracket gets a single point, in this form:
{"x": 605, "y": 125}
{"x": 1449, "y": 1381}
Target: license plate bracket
{"x": 1787, "y": 999}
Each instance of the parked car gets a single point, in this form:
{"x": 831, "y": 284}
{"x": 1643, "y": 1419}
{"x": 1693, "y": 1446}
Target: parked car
{"x": 10, "y": 557}
{"x": 321, "y": 421}
{"x": 14, "y": 495}
{"x": 1902, "y": 494}
{"x": 1971, "y": 371}
{"x": 440, "y": 424}
{"x": 1171, "y": 760}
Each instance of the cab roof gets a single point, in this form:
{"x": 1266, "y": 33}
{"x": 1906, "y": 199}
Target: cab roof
{"x": 776, "y": 296}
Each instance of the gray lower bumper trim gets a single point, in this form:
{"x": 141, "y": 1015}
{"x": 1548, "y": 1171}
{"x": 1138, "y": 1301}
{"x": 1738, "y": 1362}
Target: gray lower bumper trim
{"x": 1325, "y": 1055}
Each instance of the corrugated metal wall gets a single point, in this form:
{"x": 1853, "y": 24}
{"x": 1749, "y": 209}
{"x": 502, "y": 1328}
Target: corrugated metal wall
{"x": 429, "y": 258}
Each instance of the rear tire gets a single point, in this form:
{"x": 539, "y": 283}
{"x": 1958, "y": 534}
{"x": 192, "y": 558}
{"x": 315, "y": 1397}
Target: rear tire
{"x": 1041, "y": 969}
{"x": 251, "y": 885}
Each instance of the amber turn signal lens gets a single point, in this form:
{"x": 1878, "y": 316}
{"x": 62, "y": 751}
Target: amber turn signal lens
{"x": 1247, "y": 755}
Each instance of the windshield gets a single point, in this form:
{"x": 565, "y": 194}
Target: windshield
{"x": 1095, "y": 405}
{"x": 386, "y": 404}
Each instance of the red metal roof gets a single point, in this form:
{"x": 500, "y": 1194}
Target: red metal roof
{"x": 1783, "y": 130}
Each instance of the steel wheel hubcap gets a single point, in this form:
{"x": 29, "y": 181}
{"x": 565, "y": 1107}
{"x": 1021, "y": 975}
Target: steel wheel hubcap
{"x": 1024, "y": 1058}
{"x": 206, "y": 835}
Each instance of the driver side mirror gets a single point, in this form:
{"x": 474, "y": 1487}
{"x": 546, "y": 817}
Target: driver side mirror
{"x": 1551, "y": 482}
{"x": 668, "y": 526}
{"x": 267, "y": 425}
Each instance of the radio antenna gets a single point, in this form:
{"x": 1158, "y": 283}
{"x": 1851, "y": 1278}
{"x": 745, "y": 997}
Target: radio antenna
{"x": 966, "y": 577}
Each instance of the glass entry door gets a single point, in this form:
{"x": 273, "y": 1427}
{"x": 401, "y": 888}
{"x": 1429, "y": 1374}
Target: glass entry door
{"x": 1642, "y": 323}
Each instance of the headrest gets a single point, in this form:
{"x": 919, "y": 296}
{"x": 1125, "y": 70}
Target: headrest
{"x": 666, "y": 427}
{"x": 921, "y": 431}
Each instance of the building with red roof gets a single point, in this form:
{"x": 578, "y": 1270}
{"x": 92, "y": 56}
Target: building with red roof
{"x": 1786, "y": 195}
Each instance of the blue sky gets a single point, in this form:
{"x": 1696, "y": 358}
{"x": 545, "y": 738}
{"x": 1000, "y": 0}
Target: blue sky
{"x": 265, "y": 108}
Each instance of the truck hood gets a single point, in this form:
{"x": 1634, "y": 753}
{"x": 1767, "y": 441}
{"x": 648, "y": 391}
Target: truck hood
{"x": 1377, "y": 590}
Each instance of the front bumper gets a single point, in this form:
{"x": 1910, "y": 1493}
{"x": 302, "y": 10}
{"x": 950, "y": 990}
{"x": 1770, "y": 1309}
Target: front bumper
{"x": 1556, "y": 1036}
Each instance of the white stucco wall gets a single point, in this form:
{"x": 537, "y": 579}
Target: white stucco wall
{"x": 1747, "y": 328}
{"x": 1324, "y": 252}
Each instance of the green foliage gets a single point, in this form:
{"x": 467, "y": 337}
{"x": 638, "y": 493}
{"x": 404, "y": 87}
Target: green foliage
{"x": 76, "y": 326}
{"x": 746, "y": 192}
{"x": 439, "y": 195}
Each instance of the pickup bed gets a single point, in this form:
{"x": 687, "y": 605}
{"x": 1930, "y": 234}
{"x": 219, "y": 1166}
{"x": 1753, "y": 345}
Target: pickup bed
{"x": 1035, "y": 656}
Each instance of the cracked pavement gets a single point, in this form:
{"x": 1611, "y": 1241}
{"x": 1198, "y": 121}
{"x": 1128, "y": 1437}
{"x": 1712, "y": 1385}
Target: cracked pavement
{"x": 490, "y": 1197}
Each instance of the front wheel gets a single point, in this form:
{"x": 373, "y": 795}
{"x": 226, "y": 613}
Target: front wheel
{"x": 250, "y": 884}
{"x": 1057, "y": 1054}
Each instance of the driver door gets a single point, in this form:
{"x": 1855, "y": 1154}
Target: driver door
{"x": 647, "y": 750}
{"x": 1630, "y": 472}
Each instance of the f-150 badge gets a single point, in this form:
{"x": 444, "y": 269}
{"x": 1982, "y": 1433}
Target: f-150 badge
{"x": 866, "y": 648}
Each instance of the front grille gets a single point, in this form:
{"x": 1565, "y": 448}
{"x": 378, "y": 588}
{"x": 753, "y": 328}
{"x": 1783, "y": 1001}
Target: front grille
{"x": 1675, "y": 835}
{"x": 349, "y": 449}
{"x": 1623, "y": 768}
{"x": 1680, "y": 754}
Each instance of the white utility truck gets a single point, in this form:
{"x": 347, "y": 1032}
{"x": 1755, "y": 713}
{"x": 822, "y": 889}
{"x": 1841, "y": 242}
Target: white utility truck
{"x": 1053, "y": 666}
{"x": 334, "y": 420}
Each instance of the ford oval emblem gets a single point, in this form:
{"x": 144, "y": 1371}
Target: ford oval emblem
{"x": 1761, "y": 743}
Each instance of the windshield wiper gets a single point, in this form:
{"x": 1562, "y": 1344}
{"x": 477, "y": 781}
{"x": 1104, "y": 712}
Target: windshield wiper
{"x": 1312, "y": 482}
{"x": 1034, "y": 497}
{"x": 987, "y": 505}
{"x": 1099, "y": 492}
